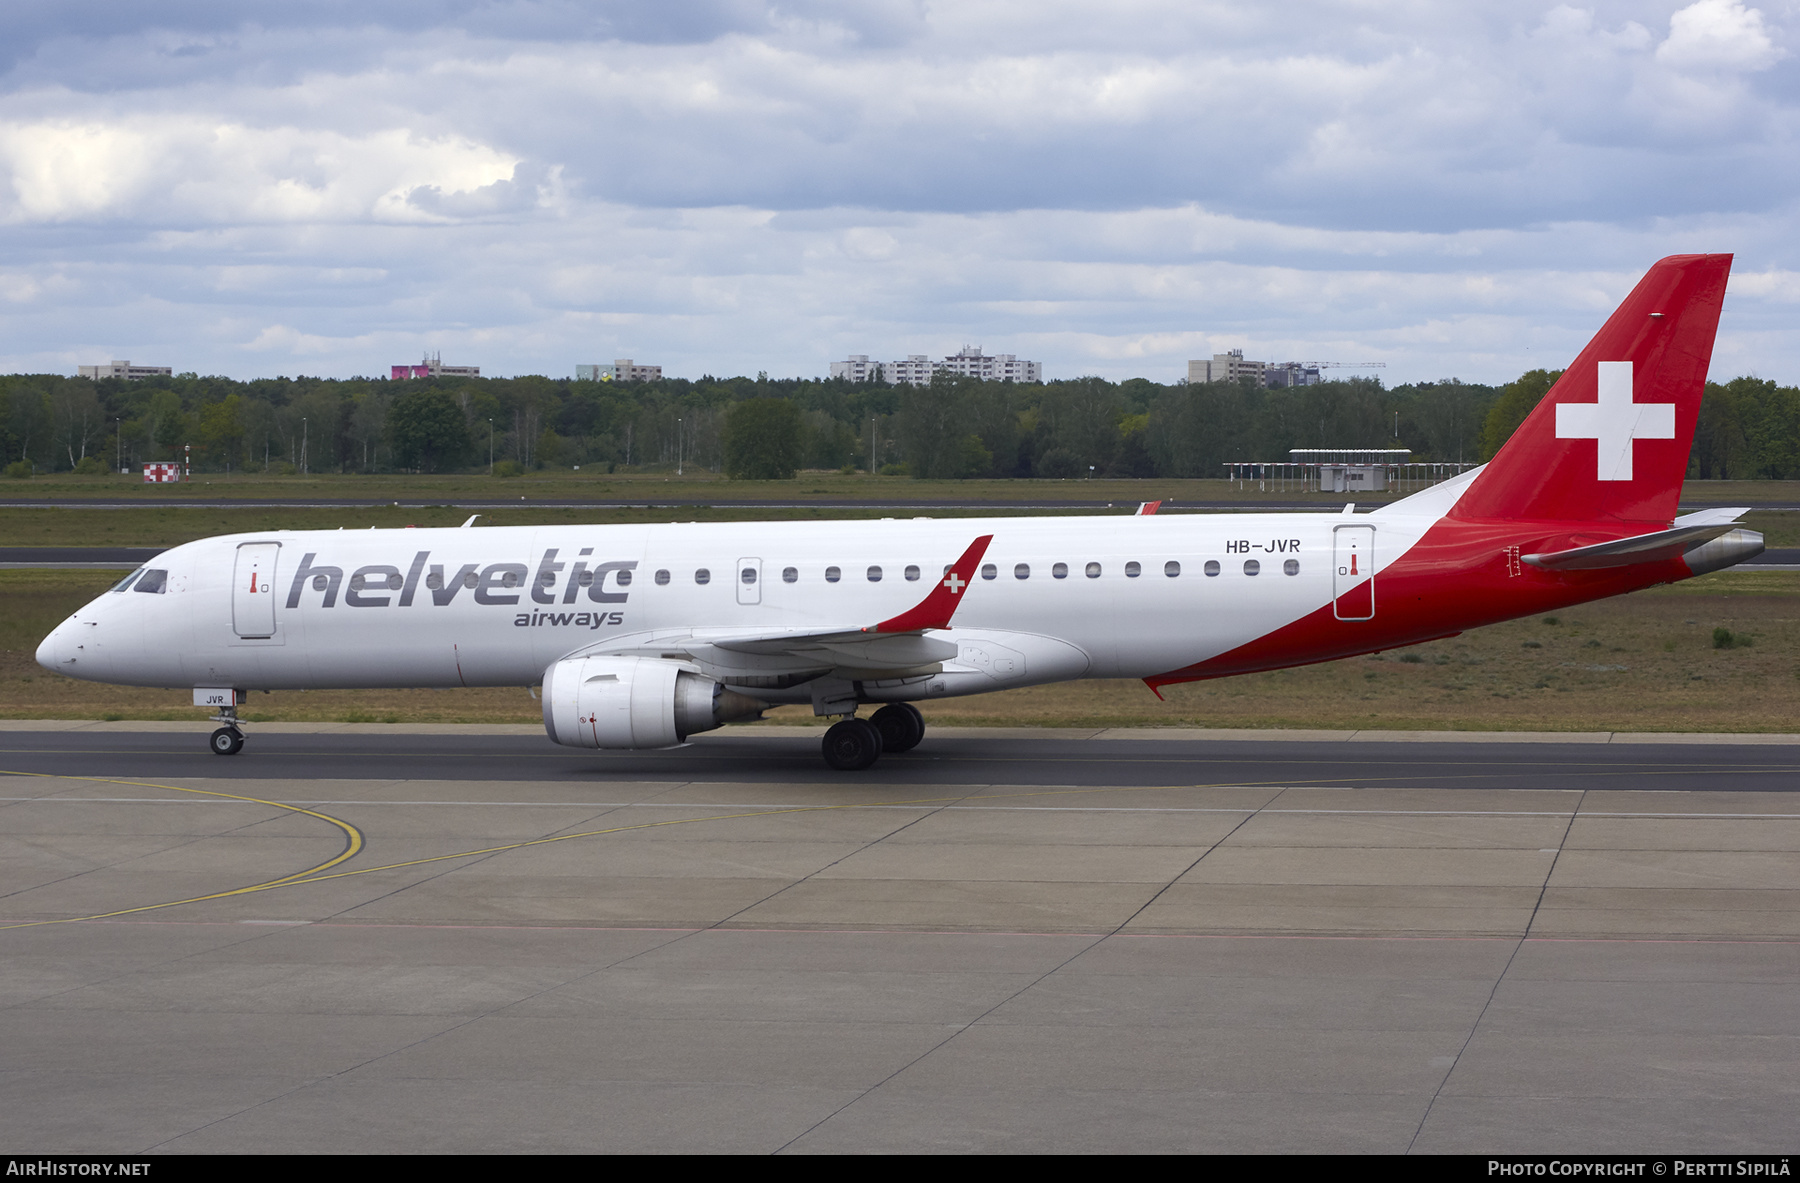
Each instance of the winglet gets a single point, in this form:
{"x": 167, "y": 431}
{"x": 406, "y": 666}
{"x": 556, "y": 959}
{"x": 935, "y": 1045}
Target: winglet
{"x": 1146, "y": 508}
{"x": 940, "y": 604}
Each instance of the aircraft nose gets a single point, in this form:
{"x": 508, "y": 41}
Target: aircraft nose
{"x": 49, "y": 647}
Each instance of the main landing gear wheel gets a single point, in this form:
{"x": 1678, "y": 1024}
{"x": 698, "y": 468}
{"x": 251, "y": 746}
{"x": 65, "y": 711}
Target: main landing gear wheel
{"x": 227, "y": 741}
{"x": 901, "y": 726}
{"x": 852, "y": 745}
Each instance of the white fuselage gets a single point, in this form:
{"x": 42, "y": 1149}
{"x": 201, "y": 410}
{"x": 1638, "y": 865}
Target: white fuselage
{"x": 1099, "y": 597}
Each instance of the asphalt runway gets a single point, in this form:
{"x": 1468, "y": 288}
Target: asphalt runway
{"x": 949, "y": 757}
{"x": 351, "y": 942}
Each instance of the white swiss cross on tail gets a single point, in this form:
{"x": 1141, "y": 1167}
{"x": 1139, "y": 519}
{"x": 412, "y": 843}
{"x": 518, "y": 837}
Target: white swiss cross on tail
{"x": 954, "y": 583}
{"x": 1615, "y": 421}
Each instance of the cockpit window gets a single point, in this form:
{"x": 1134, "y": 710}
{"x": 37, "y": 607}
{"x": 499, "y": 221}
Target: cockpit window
{"x": 126, "y": 582}
{"x": 152, "y": 581}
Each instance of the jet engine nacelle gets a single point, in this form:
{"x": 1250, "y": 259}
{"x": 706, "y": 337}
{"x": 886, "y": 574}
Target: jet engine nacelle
{"x": 634, "y": 702}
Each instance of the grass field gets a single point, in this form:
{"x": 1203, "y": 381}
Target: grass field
{"x": 563, "y": 484}
{"x": 171, "y": 525}
{"x": 1637, "y": 663}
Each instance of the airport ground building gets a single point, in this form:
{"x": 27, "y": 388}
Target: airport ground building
{"x": 433, "y": 367}
{"x": 623, "y": 369}
{"x": 124, "y": 369}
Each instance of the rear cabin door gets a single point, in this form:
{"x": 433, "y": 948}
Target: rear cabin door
{"x": 1353, "y": 572}
{"x": 253, "y": 590}
{"x": 749, "y": 581}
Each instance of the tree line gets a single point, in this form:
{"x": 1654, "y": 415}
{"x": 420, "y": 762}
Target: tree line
{"x": 762, "y": 428}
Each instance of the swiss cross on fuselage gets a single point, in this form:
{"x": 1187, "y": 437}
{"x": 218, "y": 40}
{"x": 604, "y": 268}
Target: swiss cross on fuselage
{"x": 954, "y": 583}
{"x": 1613, "y": 421}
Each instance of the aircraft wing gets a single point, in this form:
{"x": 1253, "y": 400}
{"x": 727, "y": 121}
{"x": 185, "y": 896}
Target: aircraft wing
{"x": 896, "y": 644}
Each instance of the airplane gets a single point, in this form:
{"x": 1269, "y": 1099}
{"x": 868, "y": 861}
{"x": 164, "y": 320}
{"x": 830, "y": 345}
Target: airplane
{"x": 643, "y": 635}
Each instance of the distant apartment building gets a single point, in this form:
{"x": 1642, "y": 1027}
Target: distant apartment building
{"x": 857, "y": 368}
{"x": 1290, "y": 373}
{"x": 433, "y": 367}
{"x": 1004, "y": 367}
{"x": 124, "y": 369}
{"x": 916, "y": 369}
{"x": 1231, "y": 366}
{"x": 623, "y": 369}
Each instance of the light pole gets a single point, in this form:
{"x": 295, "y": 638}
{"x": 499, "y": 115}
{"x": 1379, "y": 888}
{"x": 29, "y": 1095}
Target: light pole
{"x": 118, "y": 444}
{"x": 490, "y": 447}
{"x": 303, "y": 439}
{"x": 679, "y": 440}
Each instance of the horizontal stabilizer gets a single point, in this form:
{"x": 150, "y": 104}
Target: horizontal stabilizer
{"x": 1711, "y": 517}
{"x": 1624, "y": 552}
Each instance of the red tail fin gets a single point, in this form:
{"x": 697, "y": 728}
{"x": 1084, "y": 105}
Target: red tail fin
{"x": 1611, "y": 438}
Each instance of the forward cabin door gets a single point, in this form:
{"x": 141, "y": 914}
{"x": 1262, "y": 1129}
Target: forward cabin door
{"x": 749, "y": 581}
{"x": 253, "y": 590}
{"x": 1353, "y": 572}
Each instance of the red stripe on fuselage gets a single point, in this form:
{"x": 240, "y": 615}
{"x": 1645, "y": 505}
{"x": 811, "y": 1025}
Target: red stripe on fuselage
{"x": 1457, "y": 577}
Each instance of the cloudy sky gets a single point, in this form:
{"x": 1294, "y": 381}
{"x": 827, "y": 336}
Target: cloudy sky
{"x": 727, "y": 186}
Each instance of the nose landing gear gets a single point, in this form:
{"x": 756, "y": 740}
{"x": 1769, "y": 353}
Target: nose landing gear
{"x": 229, "y": 739}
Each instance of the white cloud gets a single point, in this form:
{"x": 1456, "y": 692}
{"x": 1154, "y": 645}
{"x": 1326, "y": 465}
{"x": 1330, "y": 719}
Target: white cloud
{"x": 740, "y": 186}
{"x": 190, "y": 169}
{"x": 1718, "y": 35}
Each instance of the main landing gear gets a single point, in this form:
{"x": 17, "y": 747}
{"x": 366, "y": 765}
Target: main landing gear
{"x": 229, "y": 739}
{"x": 853, "y": 744}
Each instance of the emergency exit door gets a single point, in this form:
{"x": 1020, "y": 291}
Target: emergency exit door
{"x": 253, "y": 590}
{"x": 749, "y": 581}
{"x": 1353, "y": 572}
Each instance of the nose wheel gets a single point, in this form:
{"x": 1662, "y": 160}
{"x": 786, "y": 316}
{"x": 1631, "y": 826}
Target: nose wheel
{"x": 227, "y": 741}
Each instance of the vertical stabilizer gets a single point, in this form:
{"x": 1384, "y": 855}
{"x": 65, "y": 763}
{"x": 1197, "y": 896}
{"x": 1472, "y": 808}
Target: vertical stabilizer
{"x": 1610, "y": 440}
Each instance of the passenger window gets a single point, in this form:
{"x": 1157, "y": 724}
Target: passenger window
{"x": 511, "y": 579}
{"x": 469, "y": 581}
{"x": 1291, "y": 567}
{"x": 435, "y": 580}
{"x": 1059, "y": 571}
{"x": 1171, "y": 568}
{"x": 1092, "y": 571}
{"x": 789, "y": 574}
{"x": 1022, "y": 571}
{"x": 586, "y": 580}
{"x": 662, "y": 579}
{"x": 989, "y": 571}
{"x": 747, "y": 575}
{"x": 126, "y": 582}
{"x": 622, "y": 576}
{"x": 912, "y": 575}
{"x": 153, "y": 581}
{"x": 1132, "y": 570}
{"x": 1212, "y": 568}
{"x": 832, "y": 575}
{"x": 874, "y": 574}
{"x": 703, "y": 576}
{"x": 1252, "y": 567}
